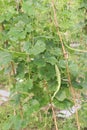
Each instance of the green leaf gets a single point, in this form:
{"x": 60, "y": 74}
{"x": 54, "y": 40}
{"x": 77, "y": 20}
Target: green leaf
{"x": 29, "y": 28}
{"x": 29, "y": 84}
{"x": 47, "y": 72}
{"x": 27, "y": 46}
{"x": 24, "y": 86}
{"x": 61, "y": 96}
{"x": 52, "y": 60}
{"x": 20, "y": 69}
{"x": 16, "y": 33}
{"x": 84, "y": 85}
{"x": 5, "y": 58}
{"x": 20, "y": 25}
{"x": 39, "y": 62}
{"x": 64, "y": 104}
{"x": 73, "y": 69}
{"x": 14, "y": 122}
{"x": 55, "y": 51}
{"x": 62, "y": 63}
{"x": 28, "y": 8}
{"x": 38, "y": 48}
{"x": 2, "y": 18}
{"x": 16, "y": 98}
{"x": 33, "y": 107}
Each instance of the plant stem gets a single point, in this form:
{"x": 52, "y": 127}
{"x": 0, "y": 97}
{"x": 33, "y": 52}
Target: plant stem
{"x": 54, "y": 117}
{"x": 66, "y": 58}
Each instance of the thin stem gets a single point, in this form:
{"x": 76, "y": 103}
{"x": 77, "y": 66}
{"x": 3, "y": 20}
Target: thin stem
{"x": 15, "y": 52}
{"x": 66, "y": 58}
{"x": 54, "y": 117}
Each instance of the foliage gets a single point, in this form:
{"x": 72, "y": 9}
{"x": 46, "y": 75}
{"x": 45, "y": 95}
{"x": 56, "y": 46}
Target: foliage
{"x": 29, "y": 50}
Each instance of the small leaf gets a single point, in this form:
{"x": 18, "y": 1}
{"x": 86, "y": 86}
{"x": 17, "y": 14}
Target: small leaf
{"x": 55, "y": 51}
{"x": 27, "y": 46}
{"x": 24, "y": 86}
{"x": 29, "y": 28}
{"x": 30, "y": 83}
{"x": 52, "y": 60}
{"x": 61, "y": 96}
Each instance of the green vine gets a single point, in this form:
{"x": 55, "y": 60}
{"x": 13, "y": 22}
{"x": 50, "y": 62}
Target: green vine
{"x": 73, "y": 49}
{"x": 15, "y": 52}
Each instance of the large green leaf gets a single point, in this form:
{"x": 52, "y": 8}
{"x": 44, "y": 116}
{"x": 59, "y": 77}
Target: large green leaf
{"x": 28, "y": 8}
{"x": 38, "y": 48}
{"x": 73, "y": 69}
{"x": 47, "y": 72}
{"x": 5, "y": 58}
{"x": 16, "y": 33}
{"x": 40, "y": 62}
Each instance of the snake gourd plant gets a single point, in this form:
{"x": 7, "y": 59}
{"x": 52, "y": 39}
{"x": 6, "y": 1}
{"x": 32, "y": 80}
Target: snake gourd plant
{"x": 73, "y": 49}
{"x": 58, "y": 75}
